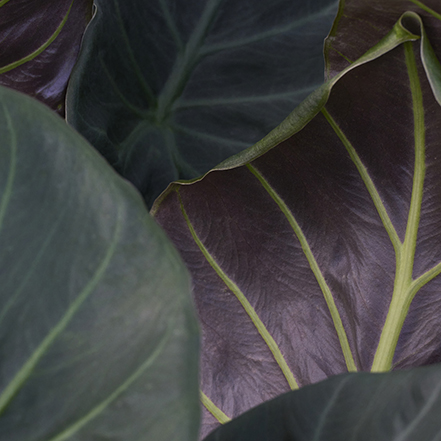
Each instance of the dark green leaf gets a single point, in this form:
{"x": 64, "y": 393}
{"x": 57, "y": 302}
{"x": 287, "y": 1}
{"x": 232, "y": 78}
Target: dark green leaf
{"x": 166, "y": 90}
{"x": 98, "y": 338}
{"x": 398, "y": 406}
{"x": 40, "y": 41}
{"x": 317, "y": 251}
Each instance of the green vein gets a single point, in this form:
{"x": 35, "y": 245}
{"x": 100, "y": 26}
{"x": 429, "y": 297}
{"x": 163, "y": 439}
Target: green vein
{"x": 208, "y": 137}
{"x": 213, "y": 409}
{"x": 344, "y": 343}
{"x": 184, "y": 168}
{"x": 12, "y": 167}
{"x": 284, "y": 96}
{"x": 320, "y": 426}
{"x": 24, "y": 278}
{"x": 186, "y": 61}
{"x": 78, "y": 425}
{"x": 26, "y": 370}
{"x": 302, "y": 22}
{"x": 3, "y": 2}
{"x": 135, "y": 110}
{"x": 424, "y": 411}
{"x": 341, "y": 55}
{"x": 261, "y": 328}
{"x": 404, "y": 286}
{"x": 418, "y": 283}
{"x": 381, "y": 209}
{"x": 171, "y": 25}
{"x": 426, "y": 8}
{"x": 38, "y": 51}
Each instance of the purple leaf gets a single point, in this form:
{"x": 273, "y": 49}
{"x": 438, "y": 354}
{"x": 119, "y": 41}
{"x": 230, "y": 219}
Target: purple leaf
{"x": 40, "y": 43}
{"x": 317, "y": 251}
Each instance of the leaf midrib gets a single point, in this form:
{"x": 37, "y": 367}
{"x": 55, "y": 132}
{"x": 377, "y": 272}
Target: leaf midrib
{"x": 405, "y": 287}
{"x": 185, "y": 61}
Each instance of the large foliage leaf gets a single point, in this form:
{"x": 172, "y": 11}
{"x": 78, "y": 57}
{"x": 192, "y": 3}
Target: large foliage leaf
{"x": 40, "y": 41}
{"x": 359, "y": 25}
{"x": 98, "y": 338}
{"x": 167, "y": 89}
{"x": 317, "y": 251}
{"x": 397, "y": 406}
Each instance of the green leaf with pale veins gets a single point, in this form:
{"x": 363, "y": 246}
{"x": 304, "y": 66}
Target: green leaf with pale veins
{"x": 166, "y": 89}
{"x": 98, "y": 337}
{"x": 397, "y": 406}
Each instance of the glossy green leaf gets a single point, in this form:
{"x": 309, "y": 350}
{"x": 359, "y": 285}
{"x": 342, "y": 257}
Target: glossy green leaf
{"x": 40, "y": 41}
{"x": 166, "y": 90}
{"x": 98, "y": 337}
{"x": 317, "y": 251}
{"x": 397, "y": 406}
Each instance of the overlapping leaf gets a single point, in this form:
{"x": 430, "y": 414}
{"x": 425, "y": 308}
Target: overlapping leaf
{"x": 40, "y": 41}
{"x": 98, "y": 338}
{"x": 360, "y": 24}
{"x": 397, "y": 406}
{"x": 317, "y": 251}
{"x": 166, "y": 90}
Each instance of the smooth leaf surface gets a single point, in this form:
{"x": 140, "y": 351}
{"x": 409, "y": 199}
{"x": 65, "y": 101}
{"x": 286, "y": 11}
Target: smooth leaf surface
{"x": 40, "y": 44}
{"x": 166, "y": 89}
{"x": 98, "y": 337}
{"x": 317, "y": 251}
{"x": 397, "y": 406}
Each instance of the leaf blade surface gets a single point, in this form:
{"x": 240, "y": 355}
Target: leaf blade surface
{"x": 97, "y": 330}
{"x": 346, "y": 172}
{"x": 191, "y": 84}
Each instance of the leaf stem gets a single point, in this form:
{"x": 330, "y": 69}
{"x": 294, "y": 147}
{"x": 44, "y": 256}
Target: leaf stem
{"x": 404, "y": 286}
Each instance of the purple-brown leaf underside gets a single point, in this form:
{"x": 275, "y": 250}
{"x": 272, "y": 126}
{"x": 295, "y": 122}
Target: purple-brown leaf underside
{"x": 25, "y": 26}
{"x": 360, "y": 24}
{"x": 246, "y": 233}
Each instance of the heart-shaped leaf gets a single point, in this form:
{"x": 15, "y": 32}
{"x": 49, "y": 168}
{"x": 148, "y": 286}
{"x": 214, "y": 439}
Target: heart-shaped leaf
{"x": 166, "y": 90}
{"x": 98, "y": 337}
{"x": 316, "y": 251}
{"x": 40, "y": 44}
{"x": 397, "y": 406}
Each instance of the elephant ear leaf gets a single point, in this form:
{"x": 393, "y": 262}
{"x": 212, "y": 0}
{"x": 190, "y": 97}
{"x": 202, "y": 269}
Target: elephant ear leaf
{"x": 317, "y": 251}
{"x": 40, "y": 44}
{"x": 395, "y": 406}
{"x": 98, "y": 335}
{"x": 166, "y": 90}
{"x": 360, "y": 24}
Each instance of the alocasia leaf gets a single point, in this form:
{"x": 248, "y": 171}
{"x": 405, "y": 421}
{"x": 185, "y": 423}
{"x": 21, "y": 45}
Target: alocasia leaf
{"x": 317, "y": 251}
{"x": 397, "y": 406}
{"x": 40, "y": 41}
{"x": 98, "y": 337}
{"x": 359, "y": 25}
{"x": 166, "y": 89}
